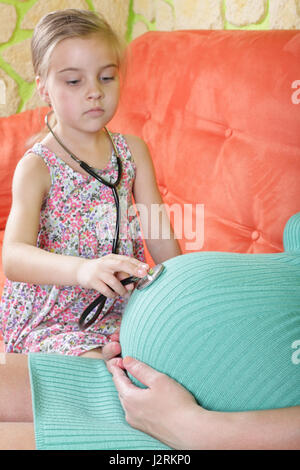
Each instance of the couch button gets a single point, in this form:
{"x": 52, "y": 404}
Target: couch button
{"x": 228, "y": 132}
{"x": 255, "y": 235}
{"x": 163, "y": 190}
{"x": 148, "y": 115}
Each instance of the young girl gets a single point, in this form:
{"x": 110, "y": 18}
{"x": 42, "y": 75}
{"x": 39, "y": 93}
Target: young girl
{"x": 58, "y": 239}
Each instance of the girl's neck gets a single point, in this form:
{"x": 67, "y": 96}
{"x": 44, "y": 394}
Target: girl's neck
{"x": 77, "y": 141}
{"x": 94, "y": 148}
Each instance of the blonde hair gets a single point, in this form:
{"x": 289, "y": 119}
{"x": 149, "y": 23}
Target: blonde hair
{"x": 58, "y": 25}
{"x": 65, "y": 24}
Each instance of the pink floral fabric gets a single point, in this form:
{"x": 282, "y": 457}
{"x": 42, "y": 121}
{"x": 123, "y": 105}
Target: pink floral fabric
{"x": 78, "y": 219}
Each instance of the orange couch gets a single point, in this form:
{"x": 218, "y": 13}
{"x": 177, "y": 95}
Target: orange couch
{"x": 220, "y": 115}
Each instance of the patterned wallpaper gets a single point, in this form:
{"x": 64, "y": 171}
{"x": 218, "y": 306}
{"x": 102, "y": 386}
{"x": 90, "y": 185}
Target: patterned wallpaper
{"x": 130, "y": 18}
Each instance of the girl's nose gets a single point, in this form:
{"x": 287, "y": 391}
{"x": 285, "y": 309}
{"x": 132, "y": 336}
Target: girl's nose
{"x": 95, "y": 91}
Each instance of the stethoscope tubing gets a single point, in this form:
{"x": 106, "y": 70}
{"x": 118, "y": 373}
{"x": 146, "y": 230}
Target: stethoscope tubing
{"x": 101, "y": 299}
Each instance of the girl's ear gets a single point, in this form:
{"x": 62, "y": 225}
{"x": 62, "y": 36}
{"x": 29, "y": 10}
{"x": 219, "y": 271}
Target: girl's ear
{"x": 42, "y": 90}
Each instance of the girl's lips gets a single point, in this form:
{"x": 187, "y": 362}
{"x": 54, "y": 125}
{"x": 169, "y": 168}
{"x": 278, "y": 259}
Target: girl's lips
{"x": 95, "y": 111}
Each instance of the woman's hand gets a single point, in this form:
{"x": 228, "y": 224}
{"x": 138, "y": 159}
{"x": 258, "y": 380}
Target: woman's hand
{"x": 104, "y": 274}
{"x": 168, "y": 412}
{"x": 165, "y": 410}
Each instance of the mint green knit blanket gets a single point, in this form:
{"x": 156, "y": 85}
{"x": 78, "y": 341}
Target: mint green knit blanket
{"x": 224, "y": 325}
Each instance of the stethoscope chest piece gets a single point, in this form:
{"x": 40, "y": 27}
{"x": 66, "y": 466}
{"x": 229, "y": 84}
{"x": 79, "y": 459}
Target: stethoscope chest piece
{"x": 152, "y": 275}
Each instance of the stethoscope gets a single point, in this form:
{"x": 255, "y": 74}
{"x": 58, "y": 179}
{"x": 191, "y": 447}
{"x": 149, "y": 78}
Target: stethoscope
{"x": 141, "y": 283}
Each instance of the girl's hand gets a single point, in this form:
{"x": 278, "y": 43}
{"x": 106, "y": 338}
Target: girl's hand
{"x": 165, "y": 410}
{"x": 104, "y": 274}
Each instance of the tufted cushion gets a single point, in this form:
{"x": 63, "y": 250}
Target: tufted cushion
{"x": 216, "y": 110}
{"x": 225, "y": 325}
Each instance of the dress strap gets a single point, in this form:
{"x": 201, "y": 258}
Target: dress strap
{"x": 122, "y": 147}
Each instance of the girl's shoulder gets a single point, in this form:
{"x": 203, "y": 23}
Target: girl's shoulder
{"x": 31, "y": 167}
{"x": 130, "y": 147}
{"x": 134, "y": 139}
{"x": 32, "y": 160}
{"x": 137, "y": 146}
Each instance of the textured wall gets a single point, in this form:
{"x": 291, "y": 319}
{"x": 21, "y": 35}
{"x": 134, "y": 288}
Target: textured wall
{"x": 130, "y": 18}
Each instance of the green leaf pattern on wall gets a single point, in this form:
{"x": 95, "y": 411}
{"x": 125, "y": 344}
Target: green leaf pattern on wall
{"x": 130, "y": 18}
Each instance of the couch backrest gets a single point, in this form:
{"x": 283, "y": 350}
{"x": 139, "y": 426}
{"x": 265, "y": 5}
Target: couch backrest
{"x": 220, "y": 115}
{"x": 15, "y": 131}
{"x": 218, "y": 111}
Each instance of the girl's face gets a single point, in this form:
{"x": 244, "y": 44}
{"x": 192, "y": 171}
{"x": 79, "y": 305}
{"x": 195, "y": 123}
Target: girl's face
{"x": 82, "y": 83}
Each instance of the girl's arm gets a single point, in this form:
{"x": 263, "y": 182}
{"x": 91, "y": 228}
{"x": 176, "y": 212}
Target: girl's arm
{"x": 157, "y": 231}
{"x": 23, "y": 261}
{"x": 168, "y": 412}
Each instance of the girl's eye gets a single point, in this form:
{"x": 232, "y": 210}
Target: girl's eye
{"x": 107, "y": 79}
{"x": 73, "y": 82}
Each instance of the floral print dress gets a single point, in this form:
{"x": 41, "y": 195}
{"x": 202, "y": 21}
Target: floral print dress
{"x": 77, "y": 219}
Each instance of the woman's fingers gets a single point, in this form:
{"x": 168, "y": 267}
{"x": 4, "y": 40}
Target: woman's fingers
{"x": 122, "y": 382}
{"x": 141, "y": 371}
{"x": 113, "y": 363}
{"x": 158, "y": 410}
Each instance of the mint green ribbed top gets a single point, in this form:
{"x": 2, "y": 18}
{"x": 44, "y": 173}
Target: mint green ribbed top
{"x": 76, "y": 406}
{"x": 224, "y": 325}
